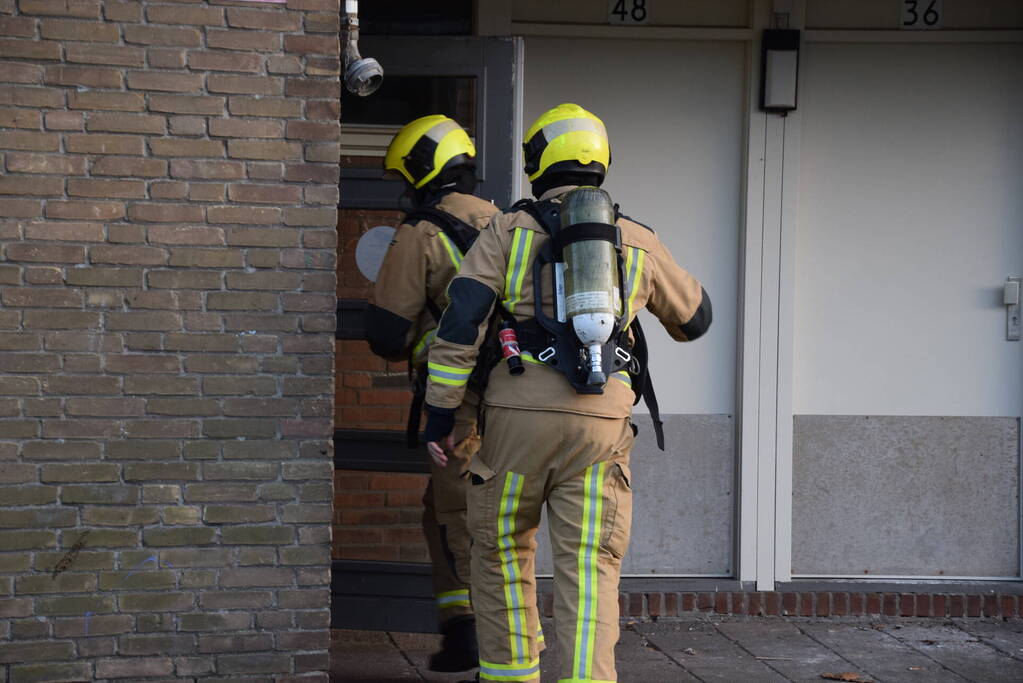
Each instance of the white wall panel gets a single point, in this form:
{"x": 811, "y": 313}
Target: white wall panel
{"x": 910, "y": 218}
{"x": 885, "y": 14}
{"x": 673, "y": 112}
{"x": 717, "y": 13}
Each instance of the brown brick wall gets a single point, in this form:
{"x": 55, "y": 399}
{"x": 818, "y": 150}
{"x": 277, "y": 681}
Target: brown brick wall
{"x": 167, "y": 274}
{"x": 377, "y": 515}
{"x": 811, "y": 604}
{"x": 370, "y": 393}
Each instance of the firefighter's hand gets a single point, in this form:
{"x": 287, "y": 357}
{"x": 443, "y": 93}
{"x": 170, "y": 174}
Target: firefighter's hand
{"x": 438, "y": 450}
{"x": 440, "y": 422}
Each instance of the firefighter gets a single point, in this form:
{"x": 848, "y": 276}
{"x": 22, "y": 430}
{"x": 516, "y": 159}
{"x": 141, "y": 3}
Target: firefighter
{"x": 558, "y": 433}
{"x": 435, "y": 158}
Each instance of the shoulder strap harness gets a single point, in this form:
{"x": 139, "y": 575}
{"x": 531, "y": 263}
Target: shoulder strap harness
{"x": 460, "y": 236}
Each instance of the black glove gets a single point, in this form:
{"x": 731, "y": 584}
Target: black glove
{"x": 439, "y": 423}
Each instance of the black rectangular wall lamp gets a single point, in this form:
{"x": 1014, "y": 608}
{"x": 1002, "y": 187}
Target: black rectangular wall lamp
{"x": 779, "y": 70}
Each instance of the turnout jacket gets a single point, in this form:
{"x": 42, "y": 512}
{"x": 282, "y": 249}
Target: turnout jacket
{"x": 499, "y": 268}
{"x": 413, "y": 279}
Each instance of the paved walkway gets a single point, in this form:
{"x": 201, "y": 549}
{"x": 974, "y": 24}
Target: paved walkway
{"x": 741, "y": 650}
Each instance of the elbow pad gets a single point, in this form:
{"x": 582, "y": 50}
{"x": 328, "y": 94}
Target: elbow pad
{"x": 386, "y": 332}
{"x": 470, "y": 304}
{"x": 701, "y": 320}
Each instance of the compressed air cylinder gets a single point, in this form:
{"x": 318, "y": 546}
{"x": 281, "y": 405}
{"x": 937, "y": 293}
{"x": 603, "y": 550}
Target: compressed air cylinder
{"x": 592, "y": 298}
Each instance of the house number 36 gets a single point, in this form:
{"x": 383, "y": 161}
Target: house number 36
{"x": 920, "y": 14}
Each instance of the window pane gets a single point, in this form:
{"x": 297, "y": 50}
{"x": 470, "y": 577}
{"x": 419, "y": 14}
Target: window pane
{"x": 401, "y": 99}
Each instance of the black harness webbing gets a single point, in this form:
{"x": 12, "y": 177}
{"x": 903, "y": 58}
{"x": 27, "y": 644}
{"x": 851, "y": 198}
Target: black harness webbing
{"x": 460, "y": 232}
{"x": 416, "y": 411}
{"x": 645, "y": 388}
{"x": 462, "y": 235}
{"x": 546, "y": 214}
{"x": 586, "y": 231}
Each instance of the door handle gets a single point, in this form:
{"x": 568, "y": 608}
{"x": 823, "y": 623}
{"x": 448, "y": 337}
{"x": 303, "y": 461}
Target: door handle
{"x": 1011, "y": 297}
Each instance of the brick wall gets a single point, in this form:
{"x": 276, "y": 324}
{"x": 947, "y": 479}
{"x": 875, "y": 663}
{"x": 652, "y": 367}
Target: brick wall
{"x": 376, "y": 515}
{"x": 167, "y": 236}
{"x": 980, "y": 603}
{"x": 371, "y": 393}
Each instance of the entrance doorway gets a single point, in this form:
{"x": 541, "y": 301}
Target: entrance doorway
{"x": 380, "y": 571}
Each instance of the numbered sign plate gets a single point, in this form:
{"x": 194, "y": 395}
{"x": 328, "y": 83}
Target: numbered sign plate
{"x": 628, "y": 12}
{"x": 920, "y": 14}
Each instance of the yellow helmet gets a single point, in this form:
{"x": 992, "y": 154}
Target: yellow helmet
{"x": 427, "y": 146}
{"x": 566, "y": 138}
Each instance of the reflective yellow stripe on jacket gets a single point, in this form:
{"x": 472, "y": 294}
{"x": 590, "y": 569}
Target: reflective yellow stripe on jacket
{"x": 518, "y": 264}
{"x": 634, "y": 260}
{"x": 453, "y": 253}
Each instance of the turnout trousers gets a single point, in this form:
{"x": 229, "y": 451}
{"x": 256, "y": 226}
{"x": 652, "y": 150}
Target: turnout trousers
{"x": 578, "y": 466}
{"x": 444, "y": 520}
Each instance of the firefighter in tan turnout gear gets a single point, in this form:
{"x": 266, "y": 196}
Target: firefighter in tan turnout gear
{"x": 436, "y": 158}
{"x": 571, "y": 273}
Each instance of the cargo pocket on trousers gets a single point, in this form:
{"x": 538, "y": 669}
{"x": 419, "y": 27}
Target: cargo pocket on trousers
{"x": 480, "y": 516}
{"x": 617, "y": 510}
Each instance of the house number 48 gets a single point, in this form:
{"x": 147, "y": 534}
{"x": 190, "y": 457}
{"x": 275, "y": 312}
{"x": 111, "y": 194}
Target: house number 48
{"x": 627, "y": 11}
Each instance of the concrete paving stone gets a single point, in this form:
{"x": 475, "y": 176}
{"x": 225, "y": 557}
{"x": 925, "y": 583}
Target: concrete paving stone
{"x": 724, "y": 649}
{"x": 636, "y": 660}
{"x": 435, "y": 677}
{"x": 1006, "y": 636}
{"x": 418, "y": 647}
{"x": 368, "y": 657}
{"x": 702, "y": 652}
{"x": 358, "y": 669}
{"x": 342, "y": 640}
{"x": 786, "y": 649}
{"x": 925, "y": 631}
{"x": 640, "y": 661}
{"x": 417, "y": 642}
{"x": 960, "y": 651}
{"x": 881, "y": 656}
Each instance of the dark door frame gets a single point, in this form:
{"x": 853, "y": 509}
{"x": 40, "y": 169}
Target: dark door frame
{"x": 398, "y": 595}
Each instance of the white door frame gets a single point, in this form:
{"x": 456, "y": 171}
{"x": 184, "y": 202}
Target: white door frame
{"x": 765, "y": 542}
{"x": 765, "y": 356}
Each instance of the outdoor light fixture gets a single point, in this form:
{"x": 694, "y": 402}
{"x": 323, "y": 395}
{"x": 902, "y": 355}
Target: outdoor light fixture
{"x": 779, "y": 70}
{"x": 362, "y": 76}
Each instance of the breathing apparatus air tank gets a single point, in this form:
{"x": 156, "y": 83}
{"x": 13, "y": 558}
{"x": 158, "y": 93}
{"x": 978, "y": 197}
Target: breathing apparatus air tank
{"x": 592, "y": 293}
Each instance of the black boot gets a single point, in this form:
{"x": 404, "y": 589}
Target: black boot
{"x": 459, "y": 650}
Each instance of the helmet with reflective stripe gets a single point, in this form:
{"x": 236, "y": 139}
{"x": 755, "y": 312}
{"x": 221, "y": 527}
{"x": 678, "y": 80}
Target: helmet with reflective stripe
{"x": 427, "y": 146}
{"x": 566, "y": 138}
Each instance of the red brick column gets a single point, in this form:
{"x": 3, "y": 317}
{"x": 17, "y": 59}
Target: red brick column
{"x": 377, "y": 515}
{"x": 812, "y": 604}
{"x": 167, "y": 283}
